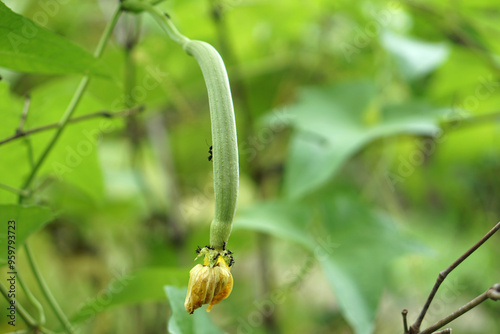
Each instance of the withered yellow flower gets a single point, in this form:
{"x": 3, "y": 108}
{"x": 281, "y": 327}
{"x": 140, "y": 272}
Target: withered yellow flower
{"x": 209, "y": 283}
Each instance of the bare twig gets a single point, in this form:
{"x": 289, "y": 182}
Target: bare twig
{"x": 102, "y": 113}
{"x": 415, "y": 328}
{"x": 492, "y": 293}
{"x": 444, "y": 331}
{"x": 404, "y": 313}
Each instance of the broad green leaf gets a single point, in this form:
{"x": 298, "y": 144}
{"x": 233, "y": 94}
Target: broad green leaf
{"x": 182, "y": 322}
{"x": 74, "y": 158}
{"x": 143, "y": 286}
{"x": 332, "y": 123}
{"x": 367, "y": 243}
{"x": 13, "y": 154}
{"x": 279, "y": 219}
{"x": 28, "y": 220}
{"x": 415, "y": 58}
{"x": 27, "y": 47}
{"x": 10, "y": 111}
{"x": 354, "y": 247}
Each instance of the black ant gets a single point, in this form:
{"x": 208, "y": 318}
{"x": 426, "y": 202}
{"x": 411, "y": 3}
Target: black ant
{"x": 223, "y": 245}
{"x": 211, "y": 154}
{"x": 198, "y": 250}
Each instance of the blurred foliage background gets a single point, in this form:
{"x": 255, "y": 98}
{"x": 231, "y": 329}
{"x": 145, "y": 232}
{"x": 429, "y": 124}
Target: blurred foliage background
{"x": 369, "y": 158}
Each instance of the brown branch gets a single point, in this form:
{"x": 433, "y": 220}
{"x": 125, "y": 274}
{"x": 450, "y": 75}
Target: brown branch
{"x": 404, "y": 313}
{"x": 492, "y": 293}
{"x": 102, "y": 113}
{"x": 415, "y": 328}
{"x": 444, "y": 331}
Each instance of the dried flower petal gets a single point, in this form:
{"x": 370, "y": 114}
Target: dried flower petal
{"x": 222, "y": 294}
{"x": 194, "y": 290}
{"x": 208, "y": 285}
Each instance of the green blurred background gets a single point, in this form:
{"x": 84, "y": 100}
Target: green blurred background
{"x": 369, "y": 141}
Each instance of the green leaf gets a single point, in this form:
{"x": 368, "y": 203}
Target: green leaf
{"x": 415, "y": 58}
{"x": 27, "y": 47}
{"x": 13, "y": 153}
{"x": 182, "y": 322}
{"x": 74, "y": 158}
{"x": 28, "y": 220}
{"x": 142, "y": 286}
{"x": 275, "y": 218}
{"x": 10, "y": 111}
{"x": 367, "y": 243}
{"x": 332, "y": 123}
{"x": 354, "y": 247}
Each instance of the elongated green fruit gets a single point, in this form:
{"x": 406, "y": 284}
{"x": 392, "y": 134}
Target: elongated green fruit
{"x": 224, "y": 140}
{"x": 225, "y": 145}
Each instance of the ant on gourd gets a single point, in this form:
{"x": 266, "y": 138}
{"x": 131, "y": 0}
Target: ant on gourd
{"x": 210, "y": 152}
